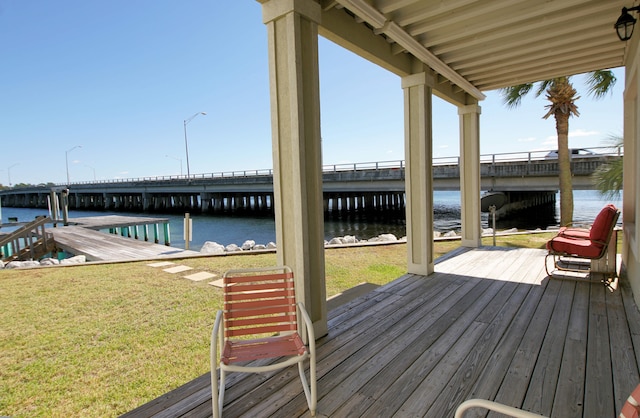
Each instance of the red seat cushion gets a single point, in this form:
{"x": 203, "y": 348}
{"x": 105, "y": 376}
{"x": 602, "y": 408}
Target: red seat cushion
{"x": 574, "y": 232}
{"x": 575, "y": 246}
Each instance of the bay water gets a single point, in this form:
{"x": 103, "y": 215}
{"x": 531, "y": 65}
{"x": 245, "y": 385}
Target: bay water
{"x": 237, "y": 229}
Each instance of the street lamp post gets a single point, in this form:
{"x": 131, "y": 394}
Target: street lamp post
{"x": 177, "y": 159}
{"x": 94, "y": 171}
{"x": 66, "y": 159}
{"x": 186, "y": 144}
{"x": 9, "y": 172}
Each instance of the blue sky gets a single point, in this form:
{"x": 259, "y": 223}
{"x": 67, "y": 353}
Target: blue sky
{"x": 118, "y": 78}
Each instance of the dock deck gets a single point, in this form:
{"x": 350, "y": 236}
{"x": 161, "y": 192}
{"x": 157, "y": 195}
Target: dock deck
{"x": 83, "y": 237}
{"x": 114, "y": 221}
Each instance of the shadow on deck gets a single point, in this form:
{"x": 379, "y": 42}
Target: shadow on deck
{"x": 488, "y": 323}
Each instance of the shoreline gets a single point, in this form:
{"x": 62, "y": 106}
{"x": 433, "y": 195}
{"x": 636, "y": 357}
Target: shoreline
{"x": 229, "y": 229}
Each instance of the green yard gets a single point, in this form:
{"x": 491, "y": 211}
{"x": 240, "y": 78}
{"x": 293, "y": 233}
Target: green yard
{"x": 101, "y": 339}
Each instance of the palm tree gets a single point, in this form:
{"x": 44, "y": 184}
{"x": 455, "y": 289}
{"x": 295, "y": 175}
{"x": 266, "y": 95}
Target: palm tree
{"x": 562, "y": 97}
{"x": 608, "y": 177}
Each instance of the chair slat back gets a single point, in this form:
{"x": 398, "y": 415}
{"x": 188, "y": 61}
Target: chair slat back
{"x": 257, "y": 303}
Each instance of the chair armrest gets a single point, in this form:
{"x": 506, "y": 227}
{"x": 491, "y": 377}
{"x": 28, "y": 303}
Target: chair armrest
{"x": 494, "y": 406}
{"x": 216, "y": 338}
{"x": 310, "y": 334}
{"x": 577, "y": 226}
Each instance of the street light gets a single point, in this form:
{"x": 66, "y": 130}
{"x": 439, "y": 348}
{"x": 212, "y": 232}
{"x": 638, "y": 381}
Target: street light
{"x": 94, "y": 171}
{"x": 177, "y": 159}
{"x": 186, "y": 146}
{"x": 66, "y": 159}
{"x": 9, "y": 172}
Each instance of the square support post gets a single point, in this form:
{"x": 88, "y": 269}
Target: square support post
{"x": 292, "y": 33}
{"x": 418, "y": 152}
{"x": 470, "y": 175}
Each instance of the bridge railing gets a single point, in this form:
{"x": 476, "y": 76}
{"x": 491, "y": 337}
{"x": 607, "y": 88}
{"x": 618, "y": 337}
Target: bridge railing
{"x": 378, "y": 165}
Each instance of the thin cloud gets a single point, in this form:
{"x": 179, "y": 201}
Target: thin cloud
{"x": 582, "y": 133}
{"x": 551, "y": 141}
{"x": 578, "y": 133}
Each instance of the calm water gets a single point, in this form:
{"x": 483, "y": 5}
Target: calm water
{"x": 236, "y": 230}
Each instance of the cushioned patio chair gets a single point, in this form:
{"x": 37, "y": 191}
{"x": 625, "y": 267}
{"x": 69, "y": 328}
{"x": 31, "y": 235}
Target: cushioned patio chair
{"x": 260, "y": 321}
{"x": 630, "y": 409}
{"x": 573, "y": 248}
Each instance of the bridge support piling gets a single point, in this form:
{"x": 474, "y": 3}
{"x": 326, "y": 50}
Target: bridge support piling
{"x": 539, "y": 204}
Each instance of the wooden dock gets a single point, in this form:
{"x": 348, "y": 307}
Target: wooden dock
{"x": 489, "y": 323}
{"x": 114, "y": 221}
{"x": 83, "y": 237}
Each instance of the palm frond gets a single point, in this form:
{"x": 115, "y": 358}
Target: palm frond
{"x": 600, "y": 83}
{"x": 512, "y": 96}
{"x": 608, "y": 179}
{"x": 544, "y": 85}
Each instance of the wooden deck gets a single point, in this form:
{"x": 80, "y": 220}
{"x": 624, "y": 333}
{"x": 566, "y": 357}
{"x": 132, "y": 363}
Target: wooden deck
{"x": 488, "y": 324}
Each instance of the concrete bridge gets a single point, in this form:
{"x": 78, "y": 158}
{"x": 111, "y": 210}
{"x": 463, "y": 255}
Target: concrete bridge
{"x": 528, "y": 179}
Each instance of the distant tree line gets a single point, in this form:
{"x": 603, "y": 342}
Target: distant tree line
{"x": 22, "y": 185}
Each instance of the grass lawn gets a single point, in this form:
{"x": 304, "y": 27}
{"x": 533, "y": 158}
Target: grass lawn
{"x": 101, "y": 339}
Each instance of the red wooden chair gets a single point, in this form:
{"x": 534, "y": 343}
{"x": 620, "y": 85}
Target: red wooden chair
{"x": 630, "y": 409}
{"x": 572, "y": 248}
{"x": 260, "y": 321}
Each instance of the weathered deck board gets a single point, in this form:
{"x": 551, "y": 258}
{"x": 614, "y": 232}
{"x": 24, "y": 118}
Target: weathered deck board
{"x": 488, "y": 323}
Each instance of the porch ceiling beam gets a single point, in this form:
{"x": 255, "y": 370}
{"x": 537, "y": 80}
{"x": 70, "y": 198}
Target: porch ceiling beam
{"x": 337, "y": 26}
{"x": 379, "y": 22}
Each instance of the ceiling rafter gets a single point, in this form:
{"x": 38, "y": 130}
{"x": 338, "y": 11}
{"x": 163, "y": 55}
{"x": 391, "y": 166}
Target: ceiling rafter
{"x": 539, "y": 75}
{"x": 523, "y": 61}
{"x": 476, "y": 14}
{"x": 536, "y": 48}
{"x": 446, "y": 41}
{"x": 547, "y": 68}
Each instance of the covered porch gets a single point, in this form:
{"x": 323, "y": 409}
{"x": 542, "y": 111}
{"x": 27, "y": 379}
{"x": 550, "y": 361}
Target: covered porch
{"x": 484, "y": 322}
{"x": 488, "y": 323}
{"x": 453, "y": 50}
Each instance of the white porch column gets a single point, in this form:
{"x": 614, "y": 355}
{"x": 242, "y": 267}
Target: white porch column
{"x": 470, "y": 175}
{"x": 292, "y": 34}
{"x": 418, "y": 150}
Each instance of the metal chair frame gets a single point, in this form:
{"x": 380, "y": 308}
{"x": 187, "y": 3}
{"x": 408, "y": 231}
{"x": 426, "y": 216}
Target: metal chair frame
{"x": 260, "y": 321}
{"x": 574, "y": 261}
{"x": 630, "y": 409}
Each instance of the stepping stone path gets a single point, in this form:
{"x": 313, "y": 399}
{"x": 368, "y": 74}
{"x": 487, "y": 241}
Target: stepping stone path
{"x": 172, "y": 268}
